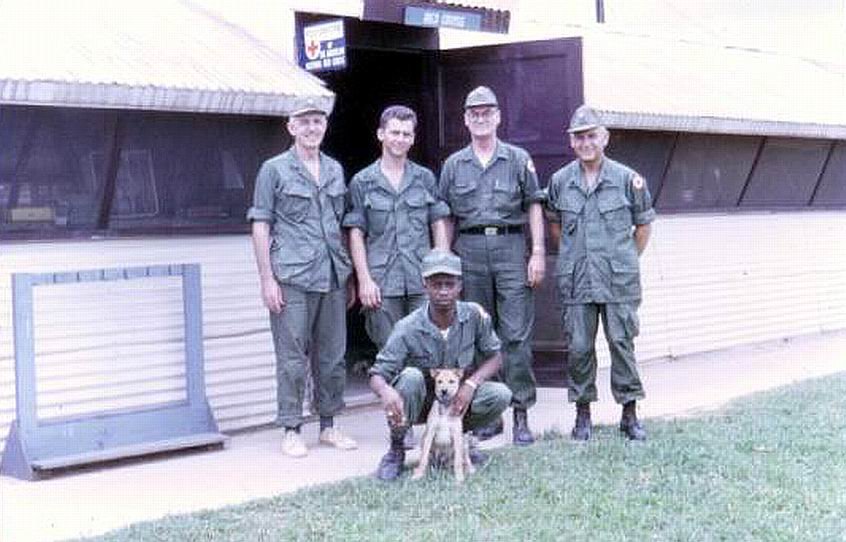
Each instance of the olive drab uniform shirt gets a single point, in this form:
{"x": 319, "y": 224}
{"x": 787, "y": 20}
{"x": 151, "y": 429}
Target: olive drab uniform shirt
{"x": 307, "y": 249}
{"x": 496, "y": 195}
{"x": 597, "y": 256}
{"x": 417, "y": 342}
{"x": 396, "y": 224}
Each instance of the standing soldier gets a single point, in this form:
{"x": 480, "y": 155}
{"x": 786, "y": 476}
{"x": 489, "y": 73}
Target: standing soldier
{"x": 394, "y": 206}
{"x": 492, "y": 190}
{"x": 603, "y": 212}
{"x": 303, "y": 265}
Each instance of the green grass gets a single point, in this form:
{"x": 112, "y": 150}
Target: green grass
{"x": 770, "y": 467}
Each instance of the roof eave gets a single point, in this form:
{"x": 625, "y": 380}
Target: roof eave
{"x": 150, "y": 97}
{"x": 718, "y": 125}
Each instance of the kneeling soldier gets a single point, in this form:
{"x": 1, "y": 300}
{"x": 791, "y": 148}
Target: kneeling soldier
{"x": 444, "y": 332}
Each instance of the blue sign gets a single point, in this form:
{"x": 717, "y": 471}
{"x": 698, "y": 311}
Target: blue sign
{"x": 324, "y": 46}
{"x": 440, "y": 17}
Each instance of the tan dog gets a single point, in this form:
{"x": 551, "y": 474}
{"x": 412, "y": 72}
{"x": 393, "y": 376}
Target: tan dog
{"x": 443, "y": 438}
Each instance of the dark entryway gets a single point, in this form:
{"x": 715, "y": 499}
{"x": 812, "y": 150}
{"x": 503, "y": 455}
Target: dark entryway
{"x": 538, "y": 85}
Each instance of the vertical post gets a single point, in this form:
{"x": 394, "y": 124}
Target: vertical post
{"x": 193, "y": 311}
{"x": 25, "y": 392}
{"x": 600, "y": 11}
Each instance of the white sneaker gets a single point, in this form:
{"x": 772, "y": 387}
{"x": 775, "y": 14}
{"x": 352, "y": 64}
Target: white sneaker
{"x": 333, "y": 437}
{"x": 293, "y": 445}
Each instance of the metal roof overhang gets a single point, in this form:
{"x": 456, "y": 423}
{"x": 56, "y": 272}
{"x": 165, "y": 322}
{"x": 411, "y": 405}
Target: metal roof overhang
{"x": 715, "y": 125}
{"x": 153, "y": 55}
{"x": 157, "y": 98}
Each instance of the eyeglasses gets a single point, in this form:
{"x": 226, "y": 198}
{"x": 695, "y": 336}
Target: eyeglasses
{"x": 481, "y": 114}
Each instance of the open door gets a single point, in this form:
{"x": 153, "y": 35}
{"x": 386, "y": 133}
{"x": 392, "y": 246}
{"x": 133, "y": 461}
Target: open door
{"x": 538, "y": 85}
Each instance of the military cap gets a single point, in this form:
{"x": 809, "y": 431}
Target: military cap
{"x": 441, "y": 262}
{"x": 310, "y": 104}
{"x": 583, "y": 119}
{"x": 480, "y": 96}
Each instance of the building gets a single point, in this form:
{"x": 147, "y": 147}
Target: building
{"x": 744, "y": 149}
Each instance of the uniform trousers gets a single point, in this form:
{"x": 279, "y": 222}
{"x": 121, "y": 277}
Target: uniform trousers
{"x": 310, "y": 333}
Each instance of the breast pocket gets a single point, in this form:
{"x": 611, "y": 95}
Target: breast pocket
{"x": 506, "y": 195}
{"x": 335, "y": 195}
{"x": 614, "y": 208}
{"x": 417, "y": 202}
{"x": 569, "y": 206}
{"x": 294, "y": 201}
{"x": 463, "y": 197}
{"x": 378, "y": 208}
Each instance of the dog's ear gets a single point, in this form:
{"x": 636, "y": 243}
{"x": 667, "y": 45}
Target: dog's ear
{"x": 434, "y": 373}
{"x": 460, "y": 373}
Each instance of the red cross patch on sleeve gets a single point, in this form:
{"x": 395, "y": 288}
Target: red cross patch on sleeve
{"x": 637, "y": 182}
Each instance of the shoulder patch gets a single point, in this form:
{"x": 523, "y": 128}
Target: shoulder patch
{"x": 530, "y": 165}
{"x": 637, "y": 182}
{"x": 482, "y": 312}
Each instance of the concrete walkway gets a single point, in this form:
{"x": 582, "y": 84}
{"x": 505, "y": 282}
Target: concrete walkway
{"x": 97, "y": 500}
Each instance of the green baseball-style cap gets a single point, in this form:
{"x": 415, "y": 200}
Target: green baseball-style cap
{"x": 584, "y": 118}
{"x": 308, "y": 104}
{"x": 480, "y": 96}
{"x": 441, "y": 262}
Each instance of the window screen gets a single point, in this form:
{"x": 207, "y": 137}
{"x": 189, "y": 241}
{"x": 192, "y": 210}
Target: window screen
{"x": 708, "y": 171}
{"x": 645, "y": 152}
{"x": 174, "y": 170}
{"x": 187, "y": 170}
{"x": 832, "y": 188}
{"x": 45, "y": 172}
{"x": 786, "y": 173}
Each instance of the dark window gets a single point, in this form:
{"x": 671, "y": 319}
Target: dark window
{"x": 187, "y": 170}
{"x": 175, "y": 171}
{"x": 46, "y": 182}
{"x": 786, "y": 173}
{"x": 708, "y": 171}
{"x": 832, "y": 188}
{"x": 645, "y": 152}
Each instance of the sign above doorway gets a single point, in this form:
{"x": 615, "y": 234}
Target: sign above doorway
{"x": 323, "y": 47}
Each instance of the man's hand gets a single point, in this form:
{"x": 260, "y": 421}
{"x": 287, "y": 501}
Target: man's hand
{"x": 272, "y": 295}
{"x": 461, "y": 401}
{"x": 370, "y": 294}
{"x": 394, "y": 408}
{"x": 536, "y": 269}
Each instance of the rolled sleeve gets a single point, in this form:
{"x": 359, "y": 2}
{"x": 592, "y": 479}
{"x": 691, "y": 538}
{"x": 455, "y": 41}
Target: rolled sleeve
{"x": 550, "y": 197}
{"x": 642, "y": 210}
{"x": 532, "y": 192}
{"x": 438, "y": 211}
{"x": 487, "y": 342}
{"x": 264, "y": 195}
{"x": 355, "y": 216}
{"x": 391, "y": 359}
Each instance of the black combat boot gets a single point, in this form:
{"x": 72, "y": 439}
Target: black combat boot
{"x": 582, "y": 428}
{"x": 522, "y": 434}
{"x": 391, "y": 464}
{"x": 629, "y": 423}
{"x": 489, "y": 431}
{"x": 478, "y": 458}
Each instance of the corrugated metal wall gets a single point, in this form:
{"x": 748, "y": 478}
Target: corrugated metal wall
{"x": 119, "y": 344}
{"x": 710, "y": 281}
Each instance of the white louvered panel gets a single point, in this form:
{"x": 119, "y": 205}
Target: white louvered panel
{"x": 145, "y": 313}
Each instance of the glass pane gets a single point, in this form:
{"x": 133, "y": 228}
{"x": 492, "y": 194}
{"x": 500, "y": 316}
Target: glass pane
{"x": 645, "y": 152}
{"x": 708, "y": 171}
{"x": 46, "y": 180}
{"x": 786, "y": 172}
{"x": 832, "y": 189}
{"x": 181, "y": 170}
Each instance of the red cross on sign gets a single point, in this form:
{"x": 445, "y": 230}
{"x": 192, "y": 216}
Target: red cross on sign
{"x": 313, "y": 50}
